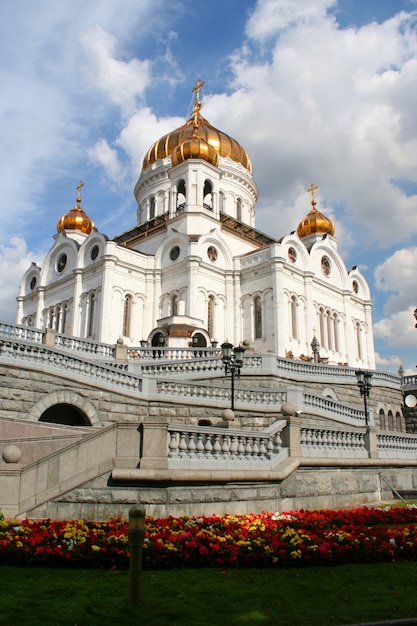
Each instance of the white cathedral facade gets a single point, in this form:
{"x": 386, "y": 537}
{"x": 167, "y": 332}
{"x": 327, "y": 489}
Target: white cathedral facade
{"x": 194, "y": 271}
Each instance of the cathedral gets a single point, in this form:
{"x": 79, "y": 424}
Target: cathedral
{"x": 194, "y": 271}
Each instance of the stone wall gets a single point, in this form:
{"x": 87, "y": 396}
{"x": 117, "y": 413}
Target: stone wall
{"x": 307, "y": 488}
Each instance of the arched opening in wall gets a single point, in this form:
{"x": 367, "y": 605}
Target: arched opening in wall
{"x": 152, "y": 207}
{"x": 221, "y": 202}
{"x": 174, "y": 305}
{"x": 210, "y": 317}
{"x": 208, "y": 195}
{"x": 294, "y": 324}
{"x": 382, "y": 420}
{"x": 66, "y": 414}
{"x": 257, "y": 317}
{"x": 398, "y": 420}
{"x": 358, "y": 340}
{"x": 239, "y": 209}
{"x": 391, "y": 425}
{"x": 199, "y": 341}
{"x": 127, "y": 316}
{"x": 158, "y": 340}
{"x": 90, "y": 316}
{"x": 181, "y": 195}
{"x": 322, "y": 322}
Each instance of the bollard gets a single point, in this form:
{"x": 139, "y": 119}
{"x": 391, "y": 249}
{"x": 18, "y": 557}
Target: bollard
{"x": 136, "y": 534}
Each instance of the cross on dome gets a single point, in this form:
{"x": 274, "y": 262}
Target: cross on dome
{"x": 79, "y": 187}
{"x": 311, "y": 190}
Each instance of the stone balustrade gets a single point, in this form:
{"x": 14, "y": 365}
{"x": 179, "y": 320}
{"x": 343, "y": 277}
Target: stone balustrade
{"x": 225, "y": 448}
{"x": 215, "y": 394}
{"x": 334, "y": 442}
{"x": 393, "y": 445}
{"x": 38, "y": 354}
{"x": 350, "y": 414}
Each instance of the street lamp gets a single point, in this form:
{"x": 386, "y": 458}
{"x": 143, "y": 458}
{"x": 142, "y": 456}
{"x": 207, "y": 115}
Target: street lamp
{"x": 232, "y": 361}
{"x": 364, "y": 384}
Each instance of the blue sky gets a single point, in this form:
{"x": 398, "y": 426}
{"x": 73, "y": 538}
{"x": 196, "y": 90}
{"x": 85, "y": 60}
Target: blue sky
{"x": 321, "y": 91}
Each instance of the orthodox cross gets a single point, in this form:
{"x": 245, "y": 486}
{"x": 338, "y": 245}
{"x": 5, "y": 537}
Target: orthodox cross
{"x": 199, "y": 84}
{"x": 197, "y": 104}
{"x": 79, "y": 187}
{"x": 311, "y": 190}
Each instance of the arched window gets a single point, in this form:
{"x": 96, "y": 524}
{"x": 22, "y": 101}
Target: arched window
{"x": 294, "y": 325}
{"x": 174, "y": 305}
{"x": 398, "y": 421}
{"x": 152, "y": 205}
{"x": 127, "y": 315}
{"x": 329, "y": 326}
{"x": 210, "y": 316}
{"x": 208, "y": 195}
{"x": 257, "y": 313}
{"x": 64, "y": 317}
{"x": 322, "y": 321}
{"x": 90, "y": 315}
{"x": 181, "y": 195}
{"x": 391, "y": 425}
{"x": 57, "y": 317}
{"x": 239, "y": 209}
{"x": 382, "y": 420}
{"x": 358, "y": 340}
{"x": 336, "y": 333}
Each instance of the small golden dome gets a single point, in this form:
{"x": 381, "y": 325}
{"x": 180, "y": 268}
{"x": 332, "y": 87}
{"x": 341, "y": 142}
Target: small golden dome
{"x": 195, "y": 147}
{"x": 76, "y": 219}
{"x": 314, "y": 222}
{"x": 223, "y": 145}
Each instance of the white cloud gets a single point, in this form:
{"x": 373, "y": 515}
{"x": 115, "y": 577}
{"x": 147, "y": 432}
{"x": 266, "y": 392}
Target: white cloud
{"x": 14, "y": 261}
{"x": 271, "y": 16}
{"x": 121, "y": 81}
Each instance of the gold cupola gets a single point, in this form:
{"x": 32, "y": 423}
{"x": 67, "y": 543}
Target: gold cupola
{"x": 76, "y": 219}
{"x": 314, "y": 222}
{"x": 195, "y": 147}
{"x": 197, "y": 137}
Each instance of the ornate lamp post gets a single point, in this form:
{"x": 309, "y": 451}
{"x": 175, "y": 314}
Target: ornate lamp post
{"x": 232, "y": 361}
{"x": 364, "y": 384}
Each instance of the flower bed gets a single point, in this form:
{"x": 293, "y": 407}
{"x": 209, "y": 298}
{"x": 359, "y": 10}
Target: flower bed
{"x": 296, "y": 538}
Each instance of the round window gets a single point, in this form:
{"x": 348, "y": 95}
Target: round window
{"x": 325, "y": 265}
{"x": 292, "y": 255}
{"x": 175, "y": 253}
{"x": 62, "y": 261}
{"x": 212, "y": 253}
{"x": 94, "y": 252}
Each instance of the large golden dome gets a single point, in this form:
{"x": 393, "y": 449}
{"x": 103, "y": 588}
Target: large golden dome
{"x": 314, "y": 222}
{"x": 76, "y": 219}
{"x": 223, "y": 145}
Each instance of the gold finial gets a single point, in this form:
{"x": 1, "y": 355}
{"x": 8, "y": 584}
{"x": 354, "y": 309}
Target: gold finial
{"x": 79, "y": 187}
{"x": 197, "y": 104}
{"x": 311, "y": 190}
{"x": 196, "y": 89}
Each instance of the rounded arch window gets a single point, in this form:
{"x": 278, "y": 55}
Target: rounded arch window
{"x": 208, "y": 195}
{"x": 32, "y": 283}
{"x": 355, "y": 286}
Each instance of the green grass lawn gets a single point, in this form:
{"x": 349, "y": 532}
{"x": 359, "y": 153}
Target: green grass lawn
{"x": 310, "y": 596}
